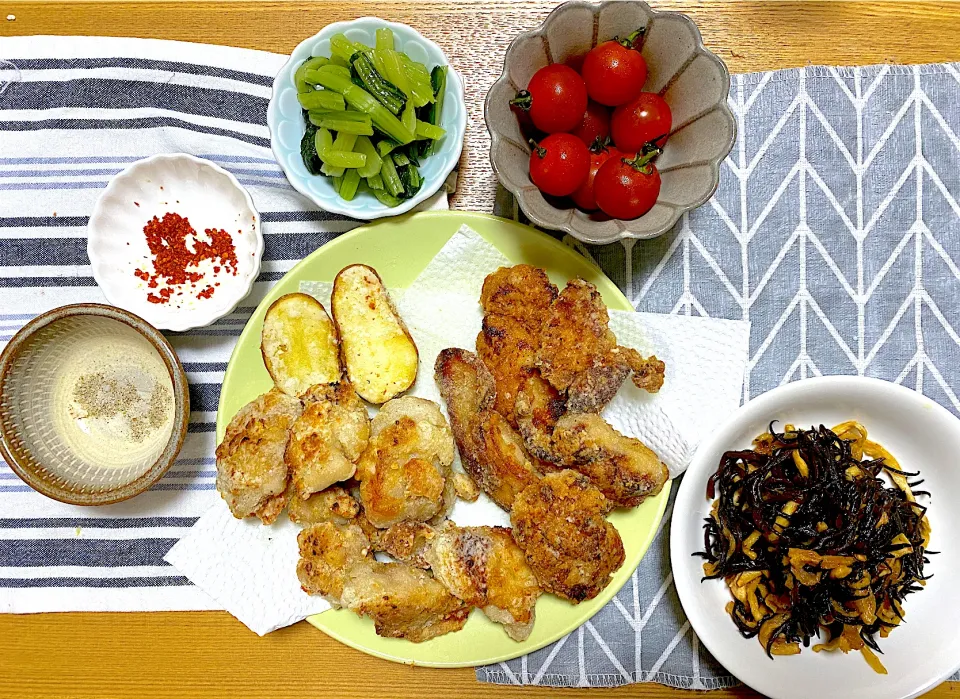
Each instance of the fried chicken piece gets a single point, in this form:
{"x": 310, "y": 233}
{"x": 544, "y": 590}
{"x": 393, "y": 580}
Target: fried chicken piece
{"x": 251, "y": 472}
{"x": 578, "y": 353}
{"x": 403, "y": 602}
{"x": 327, "y": 439}
{"x": 509, "y": 350}
{"x": 491, "y": 450}
{"x": 405, "y": 541}
{"x": 559, "y": 524}
{"x": 405, "y": 472}
{"x": 625, "y": 470}
{"x": 485, "y": 568}
{"x": 327, "y": 552}
{"x": 465, "y": 488}
{"x": 521, "y": 292}
{"x": 331, "y": 505}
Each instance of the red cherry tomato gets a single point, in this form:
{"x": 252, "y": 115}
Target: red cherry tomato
{"x": 584, "y": 196}
{"x": 614, "y": 71}
{"x": 627, "y": 188}
{"x": 559, "y": 164}
{"x": 555, "y": 97}
{"x": 595, "y": 124}
{"x": 645, "y": 119}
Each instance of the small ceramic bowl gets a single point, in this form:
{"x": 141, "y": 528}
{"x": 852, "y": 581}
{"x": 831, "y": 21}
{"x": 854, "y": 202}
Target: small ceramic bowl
{"x": 692, "y": 80}
{"x": 285, "y": 119}
{"x": 200, "y": 191}
{"x": 64, "y": 428}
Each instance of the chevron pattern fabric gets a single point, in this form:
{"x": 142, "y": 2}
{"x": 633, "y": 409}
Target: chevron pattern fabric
{"x": 836, "y": 232}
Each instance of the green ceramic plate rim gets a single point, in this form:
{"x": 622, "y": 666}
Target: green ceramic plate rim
{"x": 579, "y": 614}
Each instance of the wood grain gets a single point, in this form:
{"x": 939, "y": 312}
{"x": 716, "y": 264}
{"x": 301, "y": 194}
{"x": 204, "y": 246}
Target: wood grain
{"x": 212, "y": 655}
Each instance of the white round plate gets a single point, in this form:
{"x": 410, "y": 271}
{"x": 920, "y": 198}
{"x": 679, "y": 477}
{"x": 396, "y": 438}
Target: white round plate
{"x": 204, "y": 193}
{"x": 924, "y": 437}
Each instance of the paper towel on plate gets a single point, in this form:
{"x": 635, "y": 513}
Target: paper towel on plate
{"x": 250, "y": 569}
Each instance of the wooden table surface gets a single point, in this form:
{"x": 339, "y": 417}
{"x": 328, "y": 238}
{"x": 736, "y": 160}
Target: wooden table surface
{"x": 211, "y": 654}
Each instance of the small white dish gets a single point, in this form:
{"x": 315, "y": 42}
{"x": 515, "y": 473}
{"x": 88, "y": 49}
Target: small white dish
{"x": 196, "y": 189}
{"x": 919, "y": 654}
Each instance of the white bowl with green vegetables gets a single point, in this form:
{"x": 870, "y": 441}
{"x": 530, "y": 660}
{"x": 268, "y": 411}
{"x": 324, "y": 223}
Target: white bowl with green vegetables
{"x": 367, "y": 118}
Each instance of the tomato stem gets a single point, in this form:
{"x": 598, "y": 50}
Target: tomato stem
{"x": 538, "y": 149}
{"x": 643, "y": 160}
{"x": 632, "y": 39}
{"x": 600, "y": 144}
{"x": 523, "y": 101}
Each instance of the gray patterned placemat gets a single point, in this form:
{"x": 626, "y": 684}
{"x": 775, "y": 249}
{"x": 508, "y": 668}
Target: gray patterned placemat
{"x": 836, "y": 232}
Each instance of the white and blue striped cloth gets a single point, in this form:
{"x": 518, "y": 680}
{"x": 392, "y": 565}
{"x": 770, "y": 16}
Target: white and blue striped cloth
{"x": 73, "y": 113}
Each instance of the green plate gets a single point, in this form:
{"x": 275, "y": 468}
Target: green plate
{"x": 399, "y": 248}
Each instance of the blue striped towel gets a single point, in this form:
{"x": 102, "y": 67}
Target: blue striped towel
{"x": 73, "y": 113}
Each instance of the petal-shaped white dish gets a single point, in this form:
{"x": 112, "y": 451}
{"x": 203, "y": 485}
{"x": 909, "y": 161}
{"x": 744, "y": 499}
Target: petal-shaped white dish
{"x": 204, "y": 193}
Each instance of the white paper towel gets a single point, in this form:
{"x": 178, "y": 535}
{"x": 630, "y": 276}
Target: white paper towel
{"x": 250, "y": 569}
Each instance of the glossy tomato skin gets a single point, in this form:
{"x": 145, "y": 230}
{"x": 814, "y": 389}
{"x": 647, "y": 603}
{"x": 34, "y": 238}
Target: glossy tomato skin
{"x": 595, "y": 124}
{"x": 613, "y": 73}
{"x": 625, "y": 192}
{"x": 558, "y": 98}
{"x": 559, "y": 164}
{"x": 584, "y": 196}
{"x": 640, "y": 121}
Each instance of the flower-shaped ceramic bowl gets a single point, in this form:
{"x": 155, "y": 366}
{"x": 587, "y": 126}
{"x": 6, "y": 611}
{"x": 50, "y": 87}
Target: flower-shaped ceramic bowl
{"x": 692, "y": 80}
{"x": 285, "y": 120}
{"x": 206, "y": 195}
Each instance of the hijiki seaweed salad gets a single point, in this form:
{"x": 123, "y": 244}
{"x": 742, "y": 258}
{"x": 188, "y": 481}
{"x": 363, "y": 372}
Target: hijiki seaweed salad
{"x": 809, "y": 535}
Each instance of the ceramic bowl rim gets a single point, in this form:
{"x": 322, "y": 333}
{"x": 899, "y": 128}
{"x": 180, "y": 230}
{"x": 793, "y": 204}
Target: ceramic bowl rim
{"x": 19, "y": 461}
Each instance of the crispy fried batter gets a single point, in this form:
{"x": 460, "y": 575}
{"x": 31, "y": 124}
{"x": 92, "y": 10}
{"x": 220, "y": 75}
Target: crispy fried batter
{"x": 625, "y": 470}
{"x": 521, "y": 292}
{"x": 485, "y": 568}
{"x": 405, "y": 472}
{"x": 509, "y": 350}
{"x": 328, "y": 438}
{"x": 559, "y": 524}
{"x": 327, "y": 551}
{"x": 465, "y": 488}
{"x": 403, "y": 602}
{"x": 251, "y": 473}
{"x": 578, "y": 353}
{"x": 490, "y": 449}
{"x": 404, "y": 541}
{"x": 331, "y": 505}
{"x": 539, "y": 406}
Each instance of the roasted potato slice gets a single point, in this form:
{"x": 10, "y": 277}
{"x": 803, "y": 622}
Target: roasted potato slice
{"x": 379, "y": 354}
{"x": 299, "y": 344}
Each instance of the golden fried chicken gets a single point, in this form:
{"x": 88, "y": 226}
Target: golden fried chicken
{"x": 405, "y": 541}
{"x": 559, "y": 523}
{"x": 578, "y": 353}
{"x": 509, "y": 350}
{"x": 485, "y": 568}
{"x": 327, "y": 439}
{"x": 403, "y": 602}
{"x": 491, "y": 450}
{"x": 251, "y": 472}
{"x": 331, "y": 505}
{"x": 521, "y": 292}
{"x": 327, "y": 552}
{"x": 624, "y": 469}
{"x": 405, "y": 472}
{"x": 516, "y": 302}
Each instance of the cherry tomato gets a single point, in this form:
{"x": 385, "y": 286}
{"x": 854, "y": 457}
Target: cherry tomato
{"x": 555, "y": 97}
{"x": 614, "y": 71}
{"x": 559, "y": 164}
{"x": 627, "y": 188}
{"x": 575, "y": 62}
{"x": 645, "y": 119}
{"x": 595, "y": 124}
{"x": 584, "y": 196}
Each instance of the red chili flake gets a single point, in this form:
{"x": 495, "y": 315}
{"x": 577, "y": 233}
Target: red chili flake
{"x": 173, "y": 259}
{"x": 136, "y": 203}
